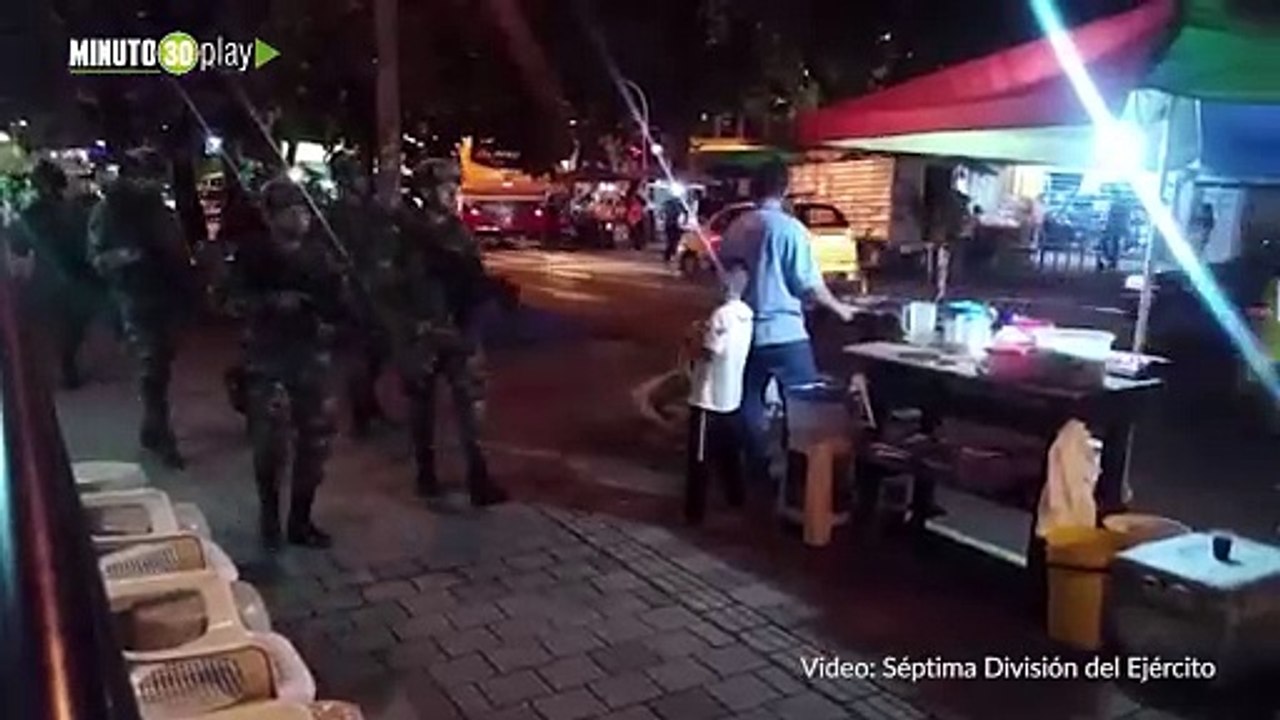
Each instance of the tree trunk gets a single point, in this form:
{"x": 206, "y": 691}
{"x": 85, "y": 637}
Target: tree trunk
{"x": 388, "y": 89}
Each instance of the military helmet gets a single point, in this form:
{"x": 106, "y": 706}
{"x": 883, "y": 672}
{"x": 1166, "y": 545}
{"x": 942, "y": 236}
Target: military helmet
{"x": 281, "y": 193}
{"x": 434, "y": 172}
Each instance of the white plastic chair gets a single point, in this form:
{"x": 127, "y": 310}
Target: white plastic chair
{"x": 191, "y": 519}
{"x": 264, "y": 711}
{"x": 262, "y": 674}
{"x": 108, "y": 475}
{"x": 160, "y": 555}
{"x": 177, "y": 615}
{"x": 320, "y": 710}
{"x": 130, "y": 513}
{"x": 140, "y": 512}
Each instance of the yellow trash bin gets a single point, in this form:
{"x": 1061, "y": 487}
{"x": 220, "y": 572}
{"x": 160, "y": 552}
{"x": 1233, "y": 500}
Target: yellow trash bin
{"x": 1078, "y": 559}
{"x": 1134, "y": 529}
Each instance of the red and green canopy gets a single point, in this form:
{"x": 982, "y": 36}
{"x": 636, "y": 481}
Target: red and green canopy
{"x": 1222, "y": 50}
{"x": 1018, "y": 105}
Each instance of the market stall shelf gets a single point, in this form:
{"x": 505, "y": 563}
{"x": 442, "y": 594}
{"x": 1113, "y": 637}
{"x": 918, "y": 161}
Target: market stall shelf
{"x": 946, "y": 386}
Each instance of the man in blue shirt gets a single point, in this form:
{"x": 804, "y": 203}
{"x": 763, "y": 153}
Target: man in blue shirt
{"x": 783, "y": 275}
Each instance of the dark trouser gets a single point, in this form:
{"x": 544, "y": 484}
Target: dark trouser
{"x": 673, "y": 243}
{"x": 282, "y": 395}
{"x": 713, "y": 447}
{"x": 151, "y": 332}
{"x": 467, "y": 390}
{"x": 791, "y": 364}
{"x": 73, "y": 326}
{"x": 363, "y": 372}
{"x": 69, "y": 308}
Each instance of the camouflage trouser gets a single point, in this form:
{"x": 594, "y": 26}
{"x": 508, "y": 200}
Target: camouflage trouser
{"x": 363, "y": 365}
{"x": 289, "y": 396}
{"x": 151, "y": 330}
{"x": 461, "y": 372}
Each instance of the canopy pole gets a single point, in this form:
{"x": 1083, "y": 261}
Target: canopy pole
{"x": 1148, "y": 259}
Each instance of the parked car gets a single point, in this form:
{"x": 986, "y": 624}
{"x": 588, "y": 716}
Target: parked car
{"x": 508, "y": 217}
{"x": 835, "y": 248}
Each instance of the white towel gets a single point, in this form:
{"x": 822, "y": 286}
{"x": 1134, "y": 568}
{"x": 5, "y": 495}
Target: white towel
{"x": 1067, "y": 497}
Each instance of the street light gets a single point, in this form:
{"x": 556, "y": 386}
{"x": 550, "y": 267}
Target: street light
{"x": 643, "y": 102}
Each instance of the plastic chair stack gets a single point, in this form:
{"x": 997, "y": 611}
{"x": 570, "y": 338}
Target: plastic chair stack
{"x": 197, "y": 641}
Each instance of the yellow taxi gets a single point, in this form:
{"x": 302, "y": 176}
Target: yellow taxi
{"x": 835, "y": 249}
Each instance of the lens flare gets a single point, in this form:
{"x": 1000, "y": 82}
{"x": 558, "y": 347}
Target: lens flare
{"x": 1149, "y": 194}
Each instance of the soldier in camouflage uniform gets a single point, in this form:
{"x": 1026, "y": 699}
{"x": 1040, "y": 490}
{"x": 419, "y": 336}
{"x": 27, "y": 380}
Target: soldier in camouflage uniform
{"x": 292, "y": 295}
{"x": 54, "y": 229}
{"x": 430, "y": 282}
{"x": 361, "y": 225}
{"x": 135, "y": 243}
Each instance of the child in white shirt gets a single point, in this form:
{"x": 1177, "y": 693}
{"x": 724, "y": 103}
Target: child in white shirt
{"x": 715, "y": 395}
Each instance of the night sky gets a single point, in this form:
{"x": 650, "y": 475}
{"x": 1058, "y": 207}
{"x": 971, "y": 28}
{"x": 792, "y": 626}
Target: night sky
{"x": 462, "y": 67}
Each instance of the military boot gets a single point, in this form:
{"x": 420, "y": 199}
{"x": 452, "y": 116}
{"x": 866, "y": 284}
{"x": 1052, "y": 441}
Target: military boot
{"x": 422, "y": 434}
{"x": 159, "y": 439}
{"x": 71, "y": 377}
{"x": 484, "y": 491}
{"x": 426, "y": 483}
{"x": 157, "y": 432}
{"x": 269, "y": 509}
{"x": 301, "y": 530}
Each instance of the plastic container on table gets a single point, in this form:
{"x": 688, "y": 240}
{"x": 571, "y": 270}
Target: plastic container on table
{"x": 1133, "y": 529}
{"x": 1083, "y": 344}
{"x": 1078, "y": 560}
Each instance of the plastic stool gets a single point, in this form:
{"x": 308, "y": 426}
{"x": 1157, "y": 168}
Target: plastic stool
{"x": 818, "y": 516}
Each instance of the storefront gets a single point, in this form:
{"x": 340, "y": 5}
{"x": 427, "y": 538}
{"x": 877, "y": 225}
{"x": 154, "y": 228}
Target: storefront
{"x": 861, "y": 188}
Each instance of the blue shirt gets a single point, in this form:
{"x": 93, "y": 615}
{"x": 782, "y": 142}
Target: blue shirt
{"x": 781, "y": 270}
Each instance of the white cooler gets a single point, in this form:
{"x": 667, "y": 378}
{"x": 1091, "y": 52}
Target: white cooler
{"x": 1172, "y": 598}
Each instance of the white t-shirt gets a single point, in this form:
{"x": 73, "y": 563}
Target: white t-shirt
{"x": 717, "y": 380}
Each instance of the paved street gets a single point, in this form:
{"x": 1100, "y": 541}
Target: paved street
{"x": 584, "y": 598}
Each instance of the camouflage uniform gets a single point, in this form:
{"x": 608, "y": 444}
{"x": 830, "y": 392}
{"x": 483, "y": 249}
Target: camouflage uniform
{"x": 291, "y": 302}
{"x": 55, "y": 230}
{"x": 361, "y": 225}
{"x": 135, "y": 243}
{"x": 430, "y": 281}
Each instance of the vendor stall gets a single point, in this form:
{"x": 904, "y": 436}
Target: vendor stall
{"x": 1178, "y": 78}
{"x": 1193, "y": 82}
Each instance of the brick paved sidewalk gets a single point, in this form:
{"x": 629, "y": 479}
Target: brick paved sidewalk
{"x": 522, "y": 611}
{"x": 534, "y": 612}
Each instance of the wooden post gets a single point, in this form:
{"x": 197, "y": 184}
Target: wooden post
{"x": 387, "y": 30}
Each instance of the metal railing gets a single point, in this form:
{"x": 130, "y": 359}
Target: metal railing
{"x": 59, "y": 655}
